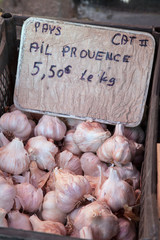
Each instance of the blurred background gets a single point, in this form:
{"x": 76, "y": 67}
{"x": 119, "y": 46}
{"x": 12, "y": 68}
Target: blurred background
{"x": 134, "y": 12}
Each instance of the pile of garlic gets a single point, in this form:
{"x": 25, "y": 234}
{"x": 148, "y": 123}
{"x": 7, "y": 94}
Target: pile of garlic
{"x": 67, "y": 177}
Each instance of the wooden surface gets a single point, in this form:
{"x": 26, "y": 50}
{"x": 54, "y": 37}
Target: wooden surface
{"x": 158, "y": 178}
{"x": 84, "y": 71}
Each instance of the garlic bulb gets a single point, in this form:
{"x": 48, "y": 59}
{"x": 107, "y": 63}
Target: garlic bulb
{"x": 50, "y": 127}
{"x": 69, "y": 143}
{"x": 7, "y": 194}
{"x": 66, "y": 160}
{"x": 19, "y": 220}
{"x": 70, "y": 189}
{"x": 42, "y": 151}
{"x": 90, "y": 162}
{"x": 14, "y": 158}
{"x": 47, "y": 226}
{"x": 3, "y": 140}
{"x": 29, "y": 197}
{"x": 128, "y": 172}
{"x": 50, "y": 210}
{"x": 116, "y": 192}
{"x": 117, "y": 149}
{"x": 99, "y": 217}
{"x": 103, "y": 228}
{"x": 38, "y": 177}
{"x": 15, "y": 124}
{"x": 89, "y": 136}
{"x": 3, "y": 221}
{"x": 136, "y": 134}
{"x": 127, "y": 230}
{"x": 72, "y": 123}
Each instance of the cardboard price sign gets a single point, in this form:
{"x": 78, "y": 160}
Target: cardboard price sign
{"x": 83, "y": 71}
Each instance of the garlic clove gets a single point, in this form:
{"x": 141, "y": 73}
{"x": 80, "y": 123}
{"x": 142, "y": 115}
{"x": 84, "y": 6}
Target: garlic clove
{"x": 50, "y": 127}
{"x": 89, "y": 136}
{"x": 117, "y": 149}
{"x": 116, "y": 192}
{"x": 50, "y": 210}
{"x": 90, "y": 162}
{"x": 15, "y": 124}
{"x": 50, "y": 184}
{"x": 69, "y": 143}
{"x": 44, "y": 156}
{"x": 3, "y": 221}
{"x": 7, "y": 194}
{"x": 14, "y": 158}
{"x": 29, "y": 197}
{"x": 70, "y": 189}
{"x": 67, "y": 160}
{"x": 19, "y": 220}
{"x": 47, "y": 226}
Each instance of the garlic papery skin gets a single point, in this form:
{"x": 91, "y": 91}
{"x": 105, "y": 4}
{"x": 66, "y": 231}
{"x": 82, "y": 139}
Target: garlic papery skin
{"x": 117, "y": 149}
{"x": 50, "y": 210}
{"x": 19, "y": 220}
{"x": 15, "y": 124}
{"x": 29, "y": 197}
{"x": 89, "y": 136}
{"x": 128, "y": 172}
{"x": 116, "y": 192}
{"x": 50, "y": 185}
{"x": 38, "y": 177}
{"x": 50, "y": 127}
{"x": 90, "y": 162}
{"x": 7, "y": 194}
{"x": 66, "y": 160}
{"x": 86, "y": 233}
{"x": 42, "y": 151}
{"x": 47, "y": 226}
{"x": 3, "y": 221}
{"x": 69, "y": 143}
{"x": 14, "y": 158}
{"x": 127, "y": 230}
{"x": 136, "y": 134}
{"x": 70, "y": 189}
{"x": 3, "y": 140}
{"x": 89, "y": 213}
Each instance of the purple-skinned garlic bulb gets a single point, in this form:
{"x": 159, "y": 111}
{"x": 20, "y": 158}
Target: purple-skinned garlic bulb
{"x": 67, "y": 160}
{"x": 47, "y": 226}
{"x": 70, "y": 189}
{"x": 116, "y": 192}
{"x": 117, "y": 149}
{"x": 15, "y": 124}
{"x": 90, "y": 162}
{"x": 29, "y": 197}
{"x": 14, "y": 158}
{"x": 89, "y": 136}
{"x": 50, "y": 211}
{"x": 69, "y": 143}
{"x": 19, "y": 220}
{"x": 127, "y": 230}
{"x": 7, "y": 194}
{"x": 42, "y": 151}
{"x": 50, "y": 127}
